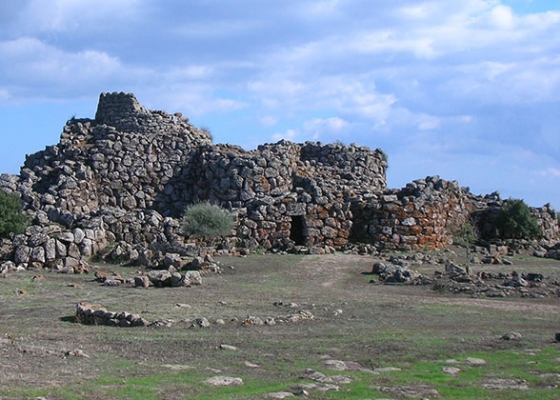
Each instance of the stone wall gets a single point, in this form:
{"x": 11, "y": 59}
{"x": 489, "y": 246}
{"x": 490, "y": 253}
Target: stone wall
{"x": 427, "y": 213}
{"x": 424, "y": 214}
{"x": 126, "y": 177}
{"x": 547, "y": 219}
{"x": 288, "y": 191}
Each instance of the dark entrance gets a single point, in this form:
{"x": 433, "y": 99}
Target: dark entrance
{"x": 296, "y": 232}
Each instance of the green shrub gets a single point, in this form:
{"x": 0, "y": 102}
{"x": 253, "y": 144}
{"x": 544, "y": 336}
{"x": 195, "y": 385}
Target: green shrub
{"x": 384, "y": 156}
{"x": 12, "y": 220}
{"x": 204, "y": 129}
{"x": 465, "y": 235}
{"x": 206, "y": 219}
{"x": 515, "y": 221}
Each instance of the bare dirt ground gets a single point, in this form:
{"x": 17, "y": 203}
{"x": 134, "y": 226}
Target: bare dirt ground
{"x": 364, "y": 327}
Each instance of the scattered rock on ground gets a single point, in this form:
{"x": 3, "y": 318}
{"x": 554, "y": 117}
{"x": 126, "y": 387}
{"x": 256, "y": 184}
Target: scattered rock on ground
{"x": 385, "y": 369}
{"x": 453, "y": 371}
{"x": 228, "y": 347}
{"x": 515, "y": 336}
{"x": 475, "y": 361}
{"x": 93, "y": 314}
{"x": 249, "y": 364}
{"x": 223, "y": 381}
{"x": 201, "y": 323}
{"x": 419, "y": 391}
{"x": 322, "y": 378}
{"x": 279, "y": 395}
{"x": 505, "y": 384}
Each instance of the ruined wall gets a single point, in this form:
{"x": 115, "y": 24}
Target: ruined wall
{"x": 136, "y": 170}
{"x": 424, "y": 214}
{"x": 547, "y": 219}
{"x": 428, "y": 213}
{"x": 129, "y": 165}
{"x": 127, "y": 176}
{"x": 288, "y": 191}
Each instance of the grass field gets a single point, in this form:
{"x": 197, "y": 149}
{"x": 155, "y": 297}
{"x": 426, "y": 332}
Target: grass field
{"x": 366, "y": 341}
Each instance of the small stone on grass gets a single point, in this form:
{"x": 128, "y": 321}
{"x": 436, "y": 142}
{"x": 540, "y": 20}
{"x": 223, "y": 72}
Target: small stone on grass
{"x": 224, "y": 381}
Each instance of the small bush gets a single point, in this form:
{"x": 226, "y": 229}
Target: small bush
{"x": 208, "y": 220}
{"x": 204, "y": 129}
{"x": 384, "y": 156}
{"x": 12, "y": 220}
{"x": 466, "y": 235}
{"x": 515, "y": 221}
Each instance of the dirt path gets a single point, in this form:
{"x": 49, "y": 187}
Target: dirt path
{"x": 332, "y": 269}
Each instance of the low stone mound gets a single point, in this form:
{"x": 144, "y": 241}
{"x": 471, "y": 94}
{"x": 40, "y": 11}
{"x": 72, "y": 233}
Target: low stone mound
{"x": 458, "y": 280}
{"x": 93, "y": 314}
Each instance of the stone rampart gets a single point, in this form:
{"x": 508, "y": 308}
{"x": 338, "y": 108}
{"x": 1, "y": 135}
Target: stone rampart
{"x": 422, "y": 215}
{"x": 130, "y": 173}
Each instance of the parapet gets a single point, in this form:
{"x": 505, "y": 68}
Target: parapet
{"x": 114, "y": 107}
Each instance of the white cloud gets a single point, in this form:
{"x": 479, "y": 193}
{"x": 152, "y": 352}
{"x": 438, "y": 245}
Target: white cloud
{"x": 386, "y": 41}
{"x": 190, "y": 72}
{"x": 326, "y": 129}
{"x": 355, "y": 98}
{"x": 190, "y": 98}
{"x": 317, "y": 9}
{"x": 551, "y": 172}
{"x": 268, "y": 120}
{"x": 417, "y": 11}
{"x": 4, "y": 96}
{"x": 275, "y": 92}
{"x": 316, "y": 129}
{"x": 331, "y": 124}
{"x": 541, "y": 21}
{"x": 31, "y": 69}
{"x": 524, "y": 81}
{"x": 28, "y": 62}
{"x": 289, "y": 134}
{"x": 70, "y": 15}
{"x": 216, "y": 29}
{"x": 428, "y": 122}
{"x": 502, "y": 17}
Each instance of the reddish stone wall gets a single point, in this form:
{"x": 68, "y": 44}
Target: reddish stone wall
{"x": 423, "y": 215}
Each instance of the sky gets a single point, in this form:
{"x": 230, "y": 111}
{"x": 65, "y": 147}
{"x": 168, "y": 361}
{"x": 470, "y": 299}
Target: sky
{"x": 468, "y": 90}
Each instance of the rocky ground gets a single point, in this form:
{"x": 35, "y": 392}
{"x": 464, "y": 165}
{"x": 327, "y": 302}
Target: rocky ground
{"x": 278, "y": 326}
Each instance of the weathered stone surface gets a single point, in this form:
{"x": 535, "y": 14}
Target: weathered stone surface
{"x": 50, "y": 249}
{"x": 192, "y": 278}
{"x": 224, "y": 381}
{"x": 160, "y": 278}
{"x": 22, "y": 254}
{"x": 141, "y": 281}
{"x": 92, "y": 314}
{"x": 7, "y": 266}
{"x": 515, "y": 336}
{"x": 505, "y": 384}
{"x": 201, "y": 323}
{"x": 38, "y": 255}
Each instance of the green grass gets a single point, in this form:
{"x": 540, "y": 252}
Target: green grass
{"x": 189, "y": 383}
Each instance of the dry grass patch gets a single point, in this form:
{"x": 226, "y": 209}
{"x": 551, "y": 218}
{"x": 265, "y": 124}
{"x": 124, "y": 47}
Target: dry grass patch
{"x": 373, "y": 327}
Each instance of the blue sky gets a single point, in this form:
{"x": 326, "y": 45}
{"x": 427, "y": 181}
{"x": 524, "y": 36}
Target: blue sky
{"x": 468, "y": 90}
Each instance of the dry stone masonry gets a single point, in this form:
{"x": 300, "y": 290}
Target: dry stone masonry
{"x": 118, "y": 184}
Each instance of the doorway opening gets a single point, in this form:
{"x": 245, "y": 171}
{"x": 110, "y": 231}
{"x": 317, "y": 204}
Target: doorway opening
{"x": 296, "y": 231}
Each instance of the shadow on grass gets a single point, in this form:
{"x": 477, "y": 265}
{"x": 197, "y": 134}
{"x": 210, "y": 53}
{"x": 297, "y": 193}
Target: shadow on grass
{"x": 69, "y": 318}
